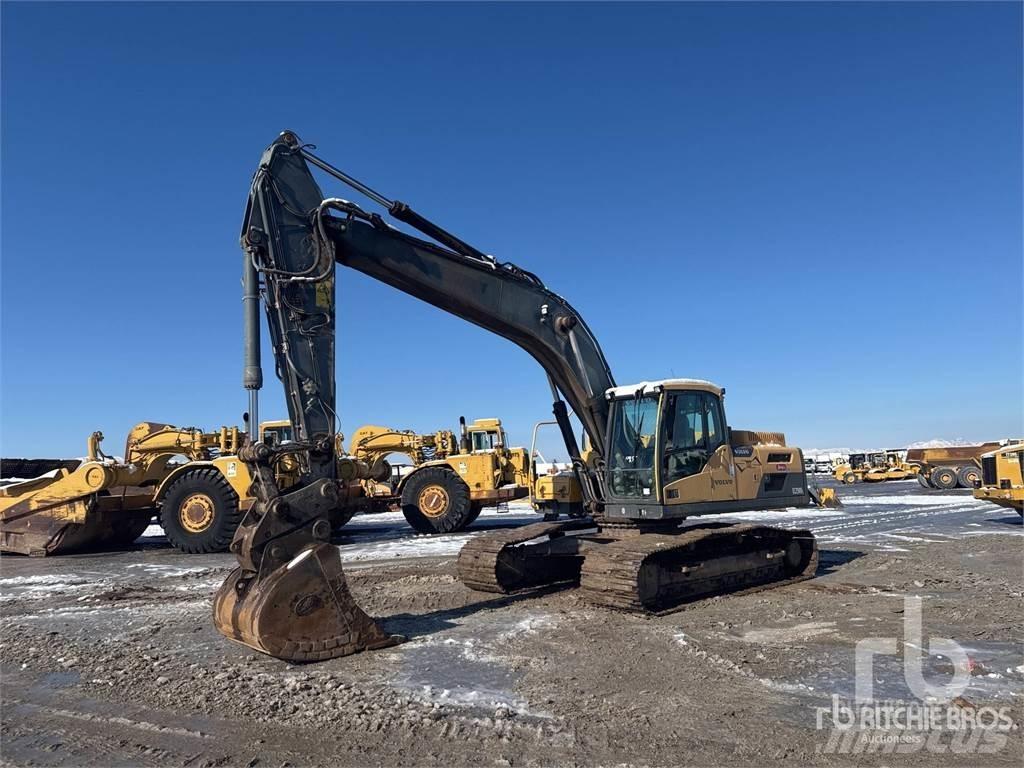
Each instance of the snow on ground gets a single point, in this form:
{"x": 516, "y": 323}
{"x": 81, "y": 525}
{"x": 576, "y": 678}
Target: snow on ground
{"x": 414, "y": 546}
{"x": 916, "y": 500}
{"x": 882, "y": 517}
{"x": 387, "y": 535}
{"x": 41, "y": 586}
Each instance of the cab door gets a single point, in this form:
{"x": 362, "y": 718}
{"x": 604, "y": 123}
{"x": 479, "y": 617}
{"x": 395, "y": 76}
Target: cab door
{"x": 696, "y": 459}
{"x": 721, "y": 467}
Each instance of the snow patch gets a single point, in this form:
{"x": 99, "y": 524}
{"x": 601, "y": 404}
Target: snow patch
{"x": 39, "y": 587}
{"x": 167, "y": 571}
{"x": 915, "y": 500}
{"x": 776, "y": 514}
{"x": 786, "y": 635}
{"x": 415, "y": 546}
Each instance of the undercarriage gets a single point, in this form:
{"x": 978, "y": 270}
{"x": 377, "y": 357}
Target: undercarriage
{"x": 635, "y": 568}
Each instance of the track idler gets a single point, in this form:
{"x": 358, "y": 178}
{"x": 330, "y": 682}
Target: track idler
{"x": 301, "y": 611}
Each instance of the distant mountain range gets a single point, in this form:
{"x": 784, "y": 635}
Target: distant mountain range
{"x": 934, "y": 443}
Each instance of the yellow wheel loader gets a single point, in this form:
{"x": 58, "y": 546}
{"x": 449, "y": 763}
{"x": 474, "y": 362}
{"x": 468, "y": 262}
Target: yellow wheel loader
{"x": 662, "y": 451}
{"x": 1002, "y": 478}
{"x": 201, "y": 502}
{"x": 452, "y": 480}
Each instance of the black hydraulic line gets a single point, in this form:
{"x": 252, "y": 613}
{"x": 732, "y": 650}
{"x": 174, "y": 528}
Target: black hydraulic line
{"x": 399, "y": 210}
{"x": 404, "y": 213}
{"x": 340, "y": 175}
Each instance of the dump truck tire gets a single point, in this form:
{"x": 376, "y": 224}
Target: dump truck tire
{"x": 923, "y": 480}
{"x": 944, "y": 478}
{"x": 967, "y": 474}
{"x": 200, "y": 512}
{"x": 436, "y": 500}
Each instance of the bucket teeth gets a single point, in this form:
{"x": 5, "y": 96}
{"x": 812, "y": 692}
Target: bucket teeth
{"x": 301, "y": 611}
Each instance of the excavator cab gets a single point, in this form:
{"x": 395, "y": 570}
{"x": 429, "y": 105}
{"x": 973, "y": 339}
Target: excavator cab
{"x": 662, "y": 435}
{"x": 671, "y": 454}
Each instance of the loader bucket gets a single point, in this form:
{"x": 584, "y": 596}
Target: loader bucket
{"x": 301, "y": 611}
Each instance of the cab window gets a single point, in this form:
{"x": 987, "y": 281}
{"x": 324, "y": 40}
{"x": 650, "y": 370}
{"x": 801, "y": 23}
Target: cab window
{"x": 631, "y": 456}
{"x": 484, "y": 441}
{"x": 277, "y": 435}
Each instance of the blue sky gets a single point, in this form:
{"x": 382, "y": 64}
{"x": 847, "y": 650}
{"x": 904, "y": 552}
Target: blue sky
{"x": 817, "y": 206}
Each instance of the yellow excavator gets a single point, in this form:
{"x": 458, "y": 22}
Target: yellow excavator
{"x": 655, "y": 454}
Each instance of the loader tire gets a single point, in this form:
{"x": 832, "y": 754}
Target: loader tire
{"x": 944, "y": 478}
{"x": 341, "y": 516}
{"x": 475, "y": 509}
{"x": 200, "y": 512}
{"x": 850, "y": 478}
{"x": 967, "y": 474}
{"x": 436, "y": 500}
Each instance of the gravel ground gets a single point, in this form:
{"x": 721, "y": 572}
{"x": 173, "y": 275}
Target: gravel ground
{"x": 112, "y": 659}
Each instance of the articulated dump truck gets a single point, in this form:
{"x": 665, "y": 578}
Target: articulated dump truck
{"x": 952, "y": 467}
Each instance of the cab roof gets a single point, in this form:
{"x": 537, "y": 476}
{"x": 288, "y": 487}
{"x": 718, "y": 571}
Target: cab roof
{"x": 653, "y": 387}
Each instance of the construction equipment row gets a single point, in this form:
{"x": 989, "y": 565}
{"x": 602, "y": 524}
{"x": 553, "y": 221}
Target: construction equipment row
{"x": 193, "y": 483}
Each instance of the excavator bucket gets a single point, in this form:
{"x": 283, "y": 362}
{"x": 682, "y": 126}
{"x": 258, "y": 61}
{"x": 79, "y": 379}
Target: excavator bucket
{"x": 301, "y": 611}
{"x": 825, "y": 498}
